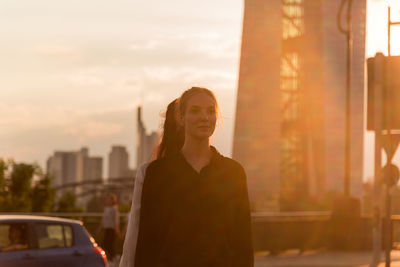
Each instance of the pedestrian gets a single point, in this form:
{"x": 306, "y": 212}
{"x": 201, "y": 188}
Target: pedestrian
{"x": 110, "y": 224}
{"x": 194, "y": 208}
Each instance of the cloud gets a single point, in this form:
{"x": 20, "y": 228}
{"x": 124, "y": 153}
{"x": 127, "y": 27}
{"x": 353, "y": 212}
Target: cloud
{"x": 86, "y": 79}
{"x": 15, "y": 117}
{"x": 87, "y": 123}
{"x": 97, "y": 130}
{"x": 210, "y": 44}
{"x": 200, "y": 50}
{"x": 56, "y": 50}
{"x": 89, "y": 129}
{"x": 149, "y": 45}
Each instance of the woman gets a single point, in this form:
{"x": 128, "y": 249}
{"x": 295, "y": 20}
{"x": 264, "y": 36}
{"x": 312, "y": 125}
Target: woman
{"x": 110, "y": 224}
{"x": 171, "y": 142}
{"x": 194, "y": 204}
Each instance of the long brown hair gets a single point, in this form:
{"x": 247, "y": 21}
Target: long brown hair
{"x": 173, "y": 136}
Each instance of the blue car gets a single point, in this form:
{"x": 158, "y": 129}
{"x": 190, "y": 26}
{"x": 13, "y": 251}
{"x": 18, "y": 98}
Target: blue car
{"x": 37, "y": 241}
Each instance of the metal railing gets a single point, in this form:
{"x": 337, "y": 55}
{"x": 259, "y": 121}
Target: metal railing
{"x": 279, "y": 231}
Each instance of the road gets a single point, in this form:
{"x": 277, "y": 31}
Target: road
{"x": 318, "y": 259}
{"x": 322, "y": 259}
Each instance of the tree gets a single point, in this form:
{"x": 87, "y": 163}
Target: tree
{"x": 3, "y": 188}
{"x": 95, "y": 204}
{"x": 3, "y": 169}
{"x": 19, "y": 192}
{"x": 43, "y": 195}
{"x": 67, "y": 203}
{"x": 20, "y": 187}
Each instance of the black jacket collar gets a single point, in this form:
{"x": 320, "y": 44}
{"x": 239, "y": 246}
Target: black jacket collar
{"x": 180, "y": 159}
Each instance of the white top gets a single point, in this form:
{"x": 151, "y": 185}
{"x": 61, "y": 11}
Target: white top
{"x": 129, "y": 250}
{"x": 110, "y": 217}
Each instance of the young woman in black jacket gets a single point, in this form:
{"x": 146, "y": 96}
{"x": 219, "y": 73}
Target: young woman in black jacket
{"x": 194, "y": 205}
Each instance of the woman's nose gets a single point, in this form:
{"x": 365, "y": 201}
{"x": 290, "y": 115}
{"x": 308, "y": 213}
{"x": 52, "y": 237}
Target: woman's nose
{"x": 204, "y": 116}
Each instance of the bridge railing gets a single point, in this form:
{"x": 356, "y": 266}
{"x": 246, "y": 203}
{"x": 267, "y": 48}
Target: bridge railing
{"x": 277, "y": 232}
{"x": 99, "y": 181}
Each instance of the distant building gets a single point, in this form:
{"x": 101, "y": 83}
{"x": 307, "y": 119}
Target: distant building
{"x": 118, "y": 163}
{"x": 75, "y": 167}
{"x": 93, "y": 168}
{"x": 290, "y": 114}
{"x": 63, "y": 167}
{"x": 146, "y": 144}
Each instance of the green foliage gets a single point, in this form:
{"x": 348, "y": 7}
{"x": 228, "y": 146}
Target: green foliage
{"x": 3, "y": 169}
{"x": 124, "y": 207}
{"x": 95, "y": 204}
{"x": 20, "y": 188}
{"x": 3, "y": 188}
{"x": 24, "y": 188}
{"x": 43, "y": 195}
{"x": 67, "y": 203}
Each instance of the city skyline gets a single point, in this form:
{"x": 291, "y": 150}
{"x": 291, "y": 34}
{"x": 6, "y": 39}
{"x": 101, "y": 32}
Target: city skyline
{"x": 84, "y": 72}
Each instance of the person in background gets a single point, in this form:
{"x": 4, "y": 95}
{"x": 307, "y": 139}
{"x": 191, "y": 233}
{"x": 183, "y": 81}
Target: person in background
{"x": 17, "y": 237}
{"x": 110, "y": 224}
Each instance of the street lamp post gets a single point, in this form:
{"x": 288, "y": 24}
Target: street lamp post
{"x": 348, "y": 33}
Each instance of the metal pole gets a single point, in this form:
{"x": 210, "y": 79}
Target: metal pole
{"x": 387, "y": 124}
{"x": 388, "y": 228}
{"x": 387, "y": 231}
{"x": 348, "y": 33}
{"x": 389, "y": 25}
{"x": 377, "y": 229}
{"x": 348, "y": 102}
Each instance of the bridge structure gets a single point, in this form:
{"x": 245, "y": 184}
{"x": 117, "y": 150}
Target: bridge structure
{"x": 95, "y": 186}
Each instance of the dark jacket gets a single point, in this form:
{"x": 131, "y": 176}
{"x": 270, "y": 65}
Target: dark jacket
{"x": 192, "y": 219}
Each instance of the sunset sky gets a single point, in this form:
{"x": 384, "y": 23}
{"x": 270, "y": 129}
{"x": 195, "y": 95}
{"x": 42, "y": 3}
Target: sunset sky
{"x": 73, "y": 72}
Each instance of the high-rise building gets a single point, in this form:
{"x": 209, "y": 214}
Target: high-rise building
{"x": 118, "y": 163}
{"x": 290, "y": 114}
{"x": 146, "y": 144}
{"x": 90, "y": 169}
{"x": 75, "y": 167}
{"x": 63, "y": 167}
{"x": 93, "y": 168}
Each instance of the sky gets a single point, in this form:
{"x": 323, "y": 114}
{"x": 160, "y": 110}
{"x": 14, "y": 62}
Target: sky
{"x": 73, "y": 72}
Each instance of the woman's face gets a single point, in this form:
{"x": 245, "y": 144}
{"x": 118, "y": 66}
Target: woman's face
{"x": 200, "y": 116}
